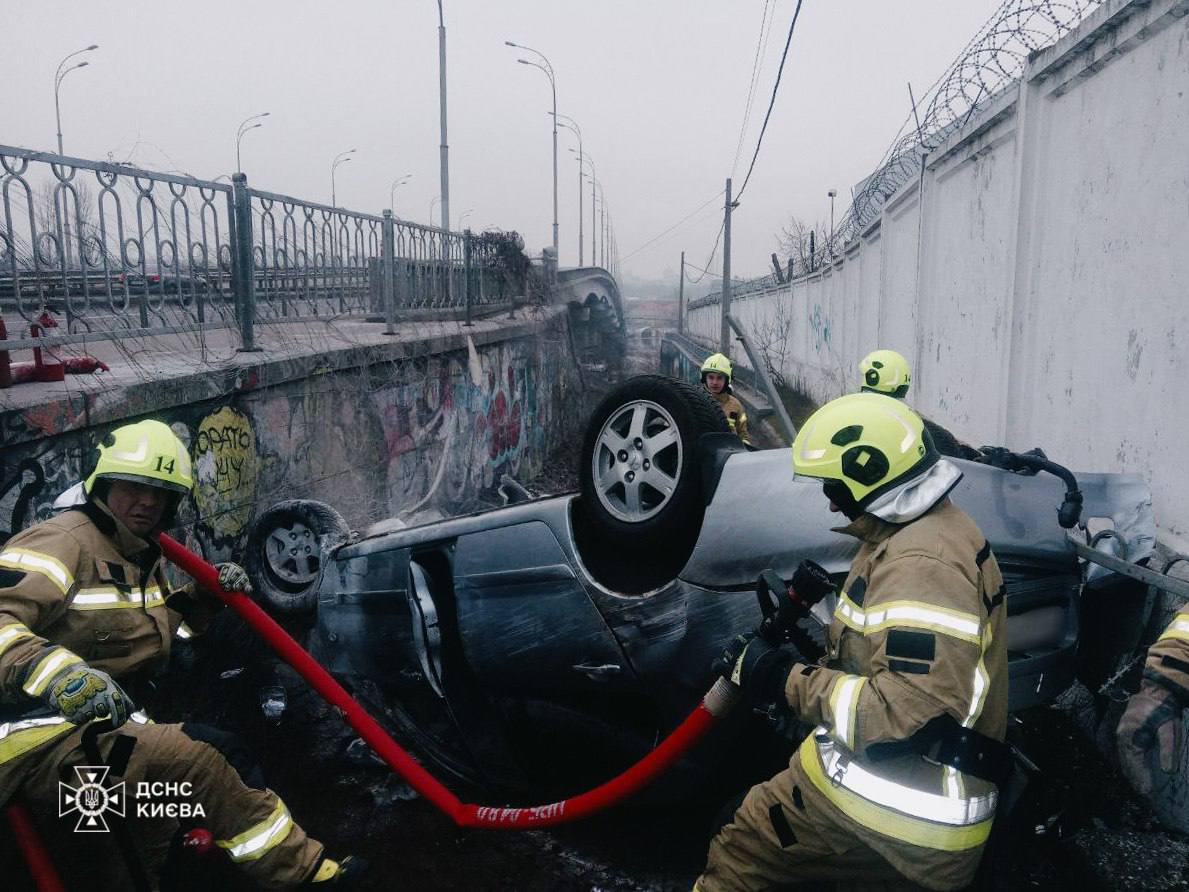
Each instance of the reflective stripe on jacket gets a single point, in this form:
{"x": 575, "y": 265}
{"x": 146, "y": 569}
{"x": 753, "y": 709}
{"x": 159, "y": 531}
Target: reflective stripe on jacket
{"x": 1169, "y": 656}
{"x": 77, "y": 588}
{"x": 917, "y": 634}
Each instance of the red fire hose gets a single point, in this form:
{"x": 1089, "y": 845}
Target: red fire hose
{"x": 717, "y": 702}
{"x": 41, "y": 867}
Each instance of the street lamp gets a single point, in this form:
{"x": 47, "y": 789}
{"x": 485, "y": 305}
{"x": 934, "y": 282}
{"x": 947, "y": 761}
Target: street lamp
{"x": 592, "y": 178}
{"x": 244, "y": 128}
{"x": 462, "y": 219}
{"x": 445, "y": 147}
{"x": 436, "y": 199}
{"x": 340, "y": 158}
{"x": 832, "y": 193}
{"x": 59, "y": 76}
{"x": 572, "y": 125}
{"x": 399, "y": 181}
{"x": 548, "y": 69}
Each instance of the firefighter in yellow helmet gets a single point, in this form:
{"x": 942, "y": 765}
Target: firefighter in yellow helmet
{"x": 1149, "y": 734}
{"x": 86, "y": 617}
{"x": 899, "y": 778}
{"x": 716, "y": 378}
{"x": 886, "y": 372}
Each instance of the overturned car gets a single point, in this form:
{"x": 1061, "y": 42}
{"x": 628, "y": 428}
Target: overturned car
{"x": 503, "y": 642}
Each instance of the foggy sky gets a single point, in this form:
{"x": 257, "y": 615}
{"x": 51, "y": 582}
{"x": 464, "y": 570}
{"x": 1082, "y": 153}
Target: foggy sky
{"x": 657, "y": 86}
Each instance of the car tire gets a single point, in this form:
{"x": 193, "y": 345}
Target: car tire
{"x": 284, "y": 552}
{"x": 639, "y": 475}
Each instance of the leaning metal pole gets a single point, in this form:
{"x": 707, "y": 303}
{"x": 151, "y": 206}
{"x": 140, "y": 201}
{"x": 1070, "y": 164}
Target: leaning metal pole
{"x": 761, "y": 368}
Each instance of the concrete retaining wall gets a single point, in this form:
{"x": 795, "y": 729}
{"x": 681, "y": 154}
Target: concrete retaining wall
{"x": 1035, "y": 276}
{"x": 371, "y": 431}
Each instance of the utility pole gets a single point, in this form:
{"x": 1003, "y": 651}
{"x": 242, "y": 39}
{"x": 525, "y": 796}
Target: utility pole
{"x": 724, "y": 332}
{"x": 445, "y": 147}
{"x": 681, "y": 298}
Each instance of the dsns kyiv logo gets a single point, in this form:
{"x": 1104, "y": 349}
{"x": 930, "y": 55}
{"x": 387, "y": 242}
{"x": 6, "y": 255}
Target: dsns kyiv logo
{"x": 92, "y": 798}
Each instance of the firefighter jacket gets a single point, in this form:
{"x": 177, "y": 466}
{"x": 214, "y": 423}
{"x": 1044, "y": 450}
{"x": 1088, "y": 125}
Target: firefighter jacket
{"x": 78, "y": 588}
{"x": 736, "y": 415}
{"x": 1168, "y": 658}
{"x": 916, "y": 655}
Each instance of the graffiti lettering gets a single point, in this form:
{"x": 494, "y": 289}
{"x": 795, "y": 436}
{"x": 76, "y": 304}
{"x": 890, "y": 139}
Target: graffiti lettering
{"x": 225, "y": 473}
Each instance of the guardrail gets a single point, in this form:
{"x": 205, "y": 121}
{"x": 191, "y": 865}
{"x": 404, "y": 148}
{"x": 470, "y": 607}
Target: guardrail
{"x": 111, "y": 251}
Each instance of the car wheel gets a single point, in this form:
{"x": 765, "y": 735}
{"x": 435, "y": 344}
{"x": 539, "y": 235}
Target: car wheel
{"x": 639, "y": 476}
{"x": 284, "y": 552}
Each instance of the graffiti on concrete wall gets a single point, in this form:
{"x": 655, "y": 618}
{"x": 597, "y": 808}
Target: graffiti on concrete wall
{"x": 819, "y": 323}
{"x": 379, "y": 440}
{"x": 224, "y": 451}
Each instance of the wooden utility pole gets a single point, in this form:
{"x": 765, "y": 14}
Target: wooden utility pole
{"x": 724, "y": 333}
{"x": 681, "y": 298}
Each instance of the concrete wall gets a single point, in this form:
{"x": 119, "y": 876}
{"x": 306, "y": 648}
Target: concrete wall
{"x": 1035, "y": 275}
{"x": 372, "y": 436}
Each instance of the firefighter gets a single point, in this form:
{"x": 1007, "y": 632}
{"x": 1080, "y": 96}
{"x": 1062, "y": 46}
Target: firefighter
{"x": 716, "y": 378}
{"x": 86, "y": 615}
{"x": 1149, "y": 732}
{"x": 898, "y": 781}
{"x": 886, "y": 372}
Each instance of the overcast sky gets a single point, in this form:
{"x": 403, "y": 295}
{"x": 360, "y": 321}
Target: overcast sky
{"x": 658, "y": 87}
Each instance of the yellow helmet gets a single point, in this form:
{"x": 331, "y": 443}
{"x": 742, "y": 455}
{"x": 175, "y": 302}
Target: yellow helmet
{"x": 863, "y": 444}
{"x": 886, "y": 371}
{"x": 144, "y": 452}
{"x": 717, "y": 362}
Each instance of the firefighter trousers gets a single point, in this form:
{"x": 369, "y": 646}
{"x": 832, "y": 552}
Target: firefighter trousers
{"x": 774, "y": 841}
{"x": 170, "y": 771}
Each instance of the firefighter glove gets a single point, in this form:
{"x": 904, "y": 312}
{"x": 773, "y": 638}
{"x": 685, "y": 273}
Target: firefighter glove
{"x": 234, "y": 578}
{"x": 1149, "y": 736}
{"x": 83, "y": 694}
{"x": 759, "y": 668}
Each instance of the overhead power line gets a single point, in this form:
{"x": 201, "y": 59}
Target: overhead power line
{"x": 683, "y": 220}
{"x": 761, "y": 51}
{"x": 772, "y": 101}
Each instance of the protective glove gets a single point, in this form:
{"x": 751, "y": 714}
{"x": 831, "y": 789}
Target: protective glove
{"x": 759, "y": 668}
{"x": 83, "y": 694}
{"x": 1152, "y": 721}
{"x": 234, "y": 578}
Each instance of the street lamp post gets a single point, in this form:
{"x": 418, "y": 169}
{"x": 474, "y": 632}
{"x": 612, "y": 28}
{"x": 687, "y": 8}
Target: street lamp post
{"x": 59, "y": 76}
{"x": 436, "y": 199}
{"x": 572, "y": 125}
{"x": 548, "y": 69}
{"x": 593, "y": 231}
{"x": 832, "y": 193}
{"x": 399, "y": 181}
{"x": 463, "y": 217}
{"x": 445, "y": 148}
{"x": 603, "y": 226}
{"x": 340, "y": 158}
{"x": 244, "y": 128}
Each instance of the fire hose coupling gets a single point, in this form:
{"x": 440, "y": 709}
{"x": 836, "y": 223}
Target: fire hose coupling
{"x": 783, "y": 604}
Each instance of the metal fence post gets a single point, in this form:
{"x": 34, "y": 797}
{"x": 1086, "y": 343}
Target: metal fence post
{"x": 388, "y": 273}
{"x": 466, "y": 265}
{"x": 242, "y": 276}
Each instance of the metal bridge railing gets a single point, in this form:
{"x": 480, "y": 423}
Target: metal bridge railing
{"x": 111, "y": 251}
